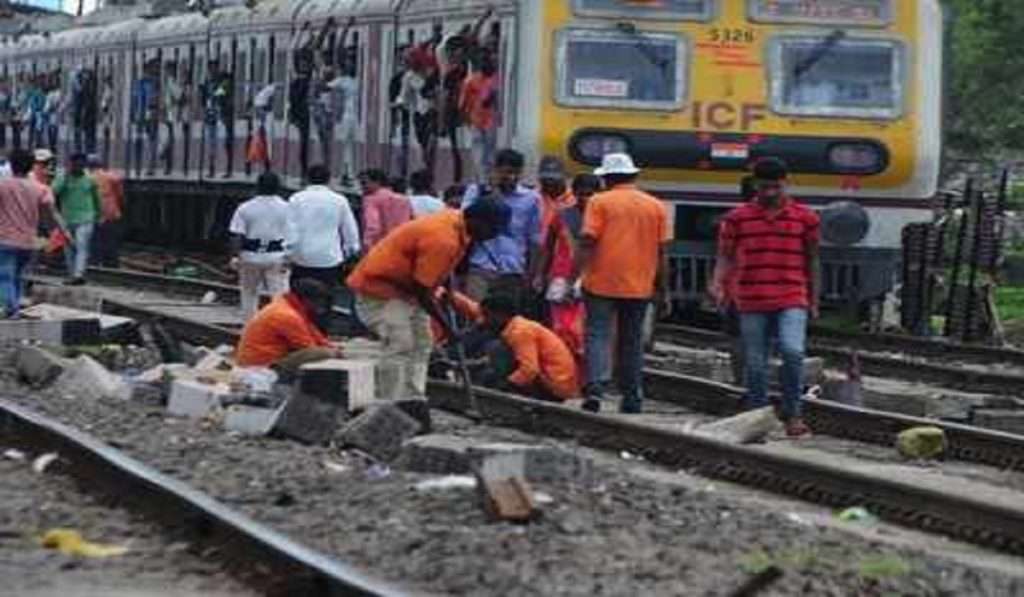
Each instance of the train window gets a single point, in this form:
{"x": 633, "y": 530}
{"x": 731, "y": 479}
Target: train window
{"x": 615, "y": 69}
{"x": 839, "y": 12}
{"x": 837, "y": 78}
{"x": 690, "y": 10}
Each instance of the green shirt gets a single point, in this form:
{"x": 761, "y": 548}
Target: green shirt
{"x": 78, "y": 198}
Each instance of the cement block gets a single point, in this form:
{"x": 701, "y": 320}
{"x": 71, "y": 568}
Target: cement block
{"x": 744, "y": 428}
{"x": 252, "y": 420}
{"x": 418, "y": 409}
{"x": 111, "y": 326}
{"x": 540, "y": 464}
{"x": 194, "y": 399}
{"x": 67, "y": 332}
{"x": 380, "y": 431}
{"x": 1009, "y": 421}
{"x": 86, "y": 378}
{"x": 36, "y": 366}
{"x": 309, "y": 419}
{"x": 910, "y": 398}
{"x": 717, "y": 366}
{"x": 346, "y": 382}
{"x": 435, "y": 454}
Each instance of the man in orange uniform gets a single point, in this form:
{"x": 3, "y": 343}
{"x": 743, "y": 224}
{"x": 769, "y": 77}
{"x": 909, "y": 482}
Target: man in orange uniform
{"x": 395, "y": 285}
{"x": 622, "y": 256}
{"x": 544, "y": 367}
{"x": 108, "y": 233}
{"x": 286, "y": 334}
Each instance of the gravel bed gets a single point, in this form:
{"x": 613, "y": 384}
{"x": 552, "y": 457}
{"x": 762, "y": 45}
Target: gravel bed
{"x": 155, "y": 564}
{"x": 626, "y": 535}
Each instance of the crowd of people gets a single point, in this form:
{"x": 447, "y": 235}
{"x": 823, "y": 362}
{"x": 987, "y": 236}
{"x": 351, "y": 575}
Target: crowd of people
{"x": 544, "y": 290}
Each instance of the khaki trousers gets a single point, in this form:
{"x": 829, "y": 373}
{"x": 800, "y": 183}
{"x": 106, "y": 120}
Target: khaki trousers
{"x": 404, "y": 330}
{"x": 254, "y": 278}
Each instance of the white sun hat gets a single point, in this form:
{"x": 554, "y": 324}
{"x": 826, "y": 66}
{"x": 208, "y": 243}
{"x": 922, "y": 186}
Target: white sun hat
{"x": 617, "y": 163}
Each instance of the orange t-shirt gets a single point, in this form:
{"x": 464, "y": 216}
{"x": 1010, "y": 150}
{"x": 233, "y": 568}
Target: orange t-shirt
{"x": 462, "y": 305}
{"x": 111, "y": 194}
{"x": 279, "y": 329}
{"x": 478, "y": 100}
{"x": 423, "y": 251}
{"x": 628, "y": 227}
{"x": 541, "y": 356}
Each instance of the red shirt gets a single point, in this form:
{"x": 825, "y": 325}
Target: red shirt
{"x": 383, "y": 211}
{"x": 769, "y": 250}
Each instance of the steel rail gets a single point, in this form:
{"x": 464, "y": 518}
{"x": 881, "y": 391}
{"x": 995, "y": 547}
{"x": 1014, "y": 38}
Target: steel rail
{"x": 963, "y": 517}
{"x": 263, "y": 558}
{"x": 945, "y": 375}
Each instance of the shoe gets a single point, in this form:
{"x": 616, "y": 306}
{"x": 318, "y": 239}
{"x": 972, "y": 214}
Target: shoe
{"x": 796, "y": 427}
{"x": 592, "y": 405}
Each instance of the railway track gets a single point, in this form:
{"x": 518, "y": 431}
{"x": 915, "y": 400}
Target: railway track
{"x": 998, "y": 524}
{"x": 912, "y": 364}
{"x": 269, "y": 562}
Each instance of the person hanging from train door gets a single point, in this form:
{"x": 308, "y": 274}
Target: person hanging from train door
{"x": 304, "y": 51}
{"x": 19, "y": 107}
{"x": 347, "y": 87}
{"x": 144, "y": 116}
{"x": 622, "y": 258}
{"x": 53, "y": 109}
{"x": 479, "y": 105}
{"x": 107, "y": 113}
{"x": 83, "y": 110}
{"x": 770, "y": 248}
{"x": 174, "y": 108}
{"x": 259, "y": 150}
{"x": 419, "y": 94}
{"x": 323, "y": 111}
{"x": 219, "y": 115}
{"x": 35, "y": 101}
{"x": 6, "y": 101}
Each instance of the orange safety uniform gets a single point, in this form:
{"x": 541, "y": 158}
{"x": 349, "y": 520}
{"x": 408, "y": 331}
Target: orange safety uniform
{"x": 541, "y": 356}
{"x": 279, "y": 329}
{"x": 629, "y": 226}
{"x": 424, "y": 251}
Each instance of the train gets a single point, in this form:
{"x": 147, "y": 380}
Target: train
{"x": 848, "y": 92}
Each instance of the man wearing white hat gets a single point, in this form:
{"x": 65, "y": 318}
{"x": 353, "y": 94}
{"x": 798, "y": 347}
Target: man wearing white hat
{"x": 622, "y": 259}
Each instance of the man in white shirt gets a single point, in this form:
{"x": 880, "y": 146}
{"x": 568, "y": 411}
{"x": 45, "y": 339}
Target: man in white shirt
{"x": 261, "y": 239}
{"x": 423, "y": 199}
{"x": 326, "y": 232}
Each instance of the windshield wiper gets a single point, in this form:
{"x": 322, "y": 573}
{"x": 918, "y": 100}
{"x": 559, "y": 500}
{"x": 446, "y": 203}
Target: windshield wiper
{"x": 818, "y": 53}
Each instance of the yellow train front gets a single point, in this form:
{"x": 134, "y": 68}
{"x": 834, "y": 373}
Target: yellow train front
{"x": 848, "y": 92}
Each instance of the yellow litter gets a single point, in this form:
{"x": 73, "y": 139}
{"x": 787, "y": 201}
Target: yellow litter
{"x": 70, "y": 542}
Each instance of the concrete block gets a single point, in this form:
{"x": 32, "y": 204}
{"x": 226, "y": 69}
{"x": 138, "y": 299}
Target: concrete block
{"x": 194, "y": 399}
{"x": 717, "y": 366}
{"x": 909, "y": 398}
{"x": 74, "y": 297}
{"x": 539, "y": 464}
{"x": 418, "y": 409}
{"x": 86, "y": 378}
{"x": 252, "y": 420}
{"x": 111, "y": 327}
{"x": 309, "y": 419}
{"x": 66, "y": 332}
{"x": 502, "y": 486}
{"x": 346, "y": 382}
{"x": 1009, "y": 421}
{"x": 380, "y": 431}
{"x": 435, "y": 454}
{"x": 744, "y": 428}
{"x": 37, "y": 366}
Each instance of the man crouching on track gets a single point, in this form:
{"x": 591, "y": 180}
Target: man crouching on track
{"x": 288, "y": 333}
{"x": 396, "y": 282}
{"x": 527, "y": 356}
{"x": 769, "y": 247}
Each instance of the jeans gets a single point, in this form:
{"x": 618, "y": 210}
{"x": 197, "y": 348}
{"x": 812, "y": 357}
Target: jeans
{"x": 13, "y": 262}
{"x": 484, "y": 146}
{"x": 602, "y": 315}
{"x": 790, "y": 326}
{"x": 76, "y": 253}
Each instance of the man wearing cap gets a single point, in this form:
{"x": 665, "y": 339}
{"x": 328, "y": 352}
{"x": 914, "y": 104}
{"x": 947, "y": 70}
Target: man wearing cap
{"x": 768, "y": 248}
{"x": 622, "y": 259}
{"x": 555, "y": 194}
{"x": 42, "y": 167}
{"x": 395, "y": 286}
{"x": 79, "y": 200}
{"x": 108, "y": 232}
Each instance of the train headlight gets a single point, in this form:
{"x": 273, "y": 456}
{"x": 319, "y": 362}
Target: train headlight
{"x": 589, "y": 148}
{"x": 857, "y": 158}
{"x": 844, "y": 223}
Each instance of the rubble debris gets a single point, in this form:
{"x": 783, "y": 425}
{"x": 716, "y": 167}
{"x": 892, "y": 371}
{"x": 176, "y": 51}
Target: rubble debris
{"x": 72, "y": 297}
{"x": 37, "y": 366}
{"x": 503, "y": 488}
{"x": 194, "y": 399}
{"x": 347, "y": 383}
{"x": 921, "y": 442}
{"x": 253, "y": 419}
{"x": 210, "y": 360}
{"x": 418, "y": 409}
{"x": 112, "y": 328}
{"x": 380, "y": 431}
{"x": 435, "y": 454}
{"x": 447, "y": 482}
{"x": 745, "y": 428}
{"x": 43, "y": 462}
{"x": 62, "y": 332}
{"x": 539, "y": 463}
{"x": 717, "y": 366}
{"x": 159, "y": 339}
{"x": 86, "y": 378}
{"x": 1008, "y": 421}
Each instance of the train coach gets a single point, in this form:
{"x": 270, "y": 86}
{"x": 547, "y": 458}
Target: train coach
{"x": 848, "y": 92}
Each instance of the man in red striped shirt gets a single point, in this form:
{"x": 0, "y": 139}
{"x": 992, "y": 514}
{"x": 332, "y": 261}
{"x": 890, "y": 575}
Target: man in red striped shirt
{"x": 768, "y": 250}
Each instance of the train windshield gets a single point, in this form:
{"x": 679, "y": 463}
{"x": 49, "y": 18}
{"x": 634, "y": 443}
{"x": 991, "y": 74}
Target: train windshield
{"x": 836, "y": 76}
{"x": 845, "y": 12}
{"x": 620, "y": 69}
{"x": 646, "y": 9}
